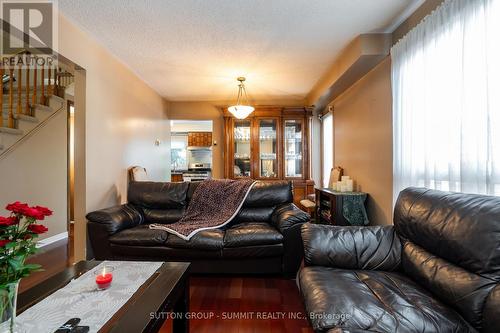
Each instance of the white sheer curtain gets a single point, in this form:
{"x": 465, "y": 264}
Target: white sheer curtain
{"x": 446, "y": 100}
{"x": 327, "y": 147}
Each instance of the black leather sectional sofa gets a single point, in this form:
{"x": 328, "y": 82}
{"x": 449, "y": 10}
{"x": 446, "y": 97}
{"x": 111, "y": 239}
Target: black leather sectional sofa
{"x": 436, "y": 270}
{"x": 263, "y": 238}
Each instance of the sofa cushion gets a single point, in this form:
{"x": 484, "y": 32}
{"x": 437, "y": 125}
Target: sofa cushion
{"x": 254, "y": 233}
{"x": 374, "y": 301}
{"x": 269, "y": 194}
{"x": 162, "y": 216}
{"x": 451, "y": 226}
{"x": 161, "y": 253}
{"x": 155, "y": 195}
{"x": 256, "y": 214}
{"x": 466, "y": 292}
{"x": 139, "y": 236}
{"x": 204, "y": 240}
{"x": 257, "y": 251}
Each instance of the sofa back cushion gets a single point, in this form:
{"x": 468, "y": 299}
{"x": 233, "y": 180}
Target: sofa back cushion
{"x": 263, "y": 198}
{"x": 159, "y": 202}
{"x": 451, "y": 245}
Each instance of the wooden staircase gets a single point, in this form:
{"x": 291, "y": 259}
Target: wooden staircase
{"x": 29, "y": 98}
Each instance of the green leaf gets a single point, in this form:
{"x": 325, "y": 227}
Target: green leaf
{"x": 10, "y": 245}
{"x": 15, "y": 264}
{"x": 32, "y": 266}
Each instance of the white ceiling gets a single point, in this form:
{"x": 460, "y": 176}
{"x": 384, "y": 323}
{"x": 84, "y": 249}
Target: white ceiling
{"x": 193, "y": 50}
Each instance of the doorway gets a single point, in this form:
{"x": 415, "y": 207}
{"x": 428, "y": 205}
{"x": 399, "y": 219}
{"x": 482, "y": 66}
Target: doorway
{"x": 191, "y": 150}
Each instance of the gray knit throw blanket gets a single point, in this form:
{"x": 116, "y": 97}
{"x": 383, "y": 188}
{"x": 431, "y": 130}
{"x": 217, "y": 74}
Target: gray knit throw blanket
{"x": 213, "y": 205}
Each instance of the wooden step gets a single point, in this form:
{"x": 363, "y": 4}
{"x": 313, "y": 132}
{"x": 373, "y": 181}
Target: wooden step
{"x": 13, "y": 131}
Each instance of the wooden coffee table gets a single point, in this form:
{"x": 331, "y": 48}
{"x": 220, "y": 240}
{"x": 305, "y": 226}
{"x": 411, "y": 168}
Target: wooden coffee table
{"x": 167, "y": 290}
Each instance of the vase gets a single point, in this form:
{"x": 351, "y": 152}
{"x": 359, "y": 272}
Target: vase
{"x": 8, "y": 302}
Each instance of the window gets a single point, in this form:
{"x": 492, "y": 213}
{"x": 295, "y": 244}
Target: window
{"x": 327, "y": 147}
{"x": 446, "y": 100}
{"x": 178, "y": 151}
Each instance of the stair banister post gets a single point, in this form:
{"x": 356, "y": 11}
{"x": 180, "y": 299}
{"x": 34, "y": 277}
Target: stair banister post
{"x": 42, "y": 92}
{"x": 27, "y": 109}
{"x": 10, "y": 118}
{"x": 19, "y": 109}
{"x": 35, "y": 83}
{"x": 49, "y": 85}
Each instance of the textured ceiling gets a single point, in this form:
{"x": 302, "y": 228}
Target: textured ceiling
{"x": 193, "y": 50}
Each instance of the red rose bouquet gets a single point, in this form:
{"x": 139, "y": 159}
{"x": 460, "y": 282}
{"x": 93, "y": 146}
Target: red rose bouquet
{"x": 18, "y": 234}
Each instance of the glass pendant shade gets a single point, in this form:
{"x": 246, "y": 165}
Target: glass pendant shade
{"x": 241, "y": 110}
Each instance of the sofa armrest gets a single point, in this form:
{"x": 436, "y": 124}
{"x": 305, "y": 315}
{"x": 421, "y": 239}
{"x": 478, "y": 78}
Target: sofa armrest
{"x": 288, "y": 219}
{"x": 288, "y": 215}
{"x": 367, "y": 248}
{"x": 116, "y": 218}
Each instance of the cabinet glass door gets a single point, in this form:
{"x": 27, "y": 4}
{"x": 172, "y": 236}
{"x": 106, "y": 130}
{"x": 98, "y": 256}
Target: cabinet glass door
{"x": 293, "y": 148}
{"x": 242, "y": 150}
{"x": 268, "y": 159}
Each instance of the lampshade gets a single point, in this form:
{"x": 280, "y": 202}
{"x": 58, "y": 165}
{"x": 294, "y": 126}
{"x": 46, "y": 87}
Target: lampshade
{"x": 241, "y": 109}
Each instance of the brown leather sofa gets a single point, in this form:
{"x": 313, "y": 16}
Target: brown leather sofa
{"x": 263, "y": 238}
{"x": 436, "y": 270}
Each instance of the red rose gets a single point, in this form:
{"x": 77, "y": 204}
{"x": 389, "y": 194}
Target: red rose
{"x": 7, "y": 221}
{"x": 34, "y": 213}
{"x": 17, "y": 207}
{"x": 4, "y": 242}
{"x": 44, "y": 210}
{"x": 37, "y": 228}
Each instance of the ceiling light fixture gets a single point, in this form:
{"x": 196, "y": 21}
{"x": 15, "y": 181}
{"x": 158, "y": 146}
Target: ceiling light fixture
{"x": 241, "y": 110}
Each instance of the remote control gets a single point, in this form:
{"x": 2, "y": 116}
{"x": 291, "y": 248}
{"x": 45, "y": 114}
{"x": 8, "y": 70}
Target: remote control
{"x": 68, "y": 326}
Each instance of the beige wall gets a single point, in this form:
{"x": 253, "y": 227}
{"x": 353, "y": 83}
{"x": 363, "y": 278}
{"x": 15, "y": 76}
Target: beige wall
{"x": 363, "y": 139}
{"x": 36, "y": 172}
{"x": 124, "y": 117}
{"x": 118, "y": 122}
{"x": 204, "y": 111}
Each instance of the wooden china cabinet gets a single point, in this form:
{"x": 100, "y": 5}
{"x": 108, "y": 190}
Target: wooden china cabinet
{"x": 270, "y": 144}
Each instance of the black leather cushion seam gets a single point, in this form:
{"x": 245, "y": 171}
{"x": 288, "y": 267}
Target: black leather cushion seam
{"x": 388, "y": 309}
{"x": 388, "y": 253}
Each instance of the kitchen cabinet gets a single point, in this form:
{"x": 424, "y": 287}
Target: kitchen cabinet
{"x": 200, "y": 139}
{"x": 271, "y": 144}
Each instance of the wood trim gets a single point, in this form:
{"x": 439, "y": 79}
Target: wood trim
{"x": 42, "y": 89}
{"x": 27, "y": 109}
{"x": 19, "y": 109}
{"x": 35, "y": 84}
{"x": 11, "y": 98}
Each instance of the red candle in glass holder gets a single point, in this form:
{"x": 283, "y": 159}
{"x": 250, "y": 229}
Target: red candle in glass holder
{"x": 104, "y": 276}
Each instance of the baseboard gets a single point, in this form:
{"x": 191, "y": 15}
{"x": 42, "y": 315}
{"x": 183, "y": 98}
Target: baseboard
{"x": 52, "y": 239}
